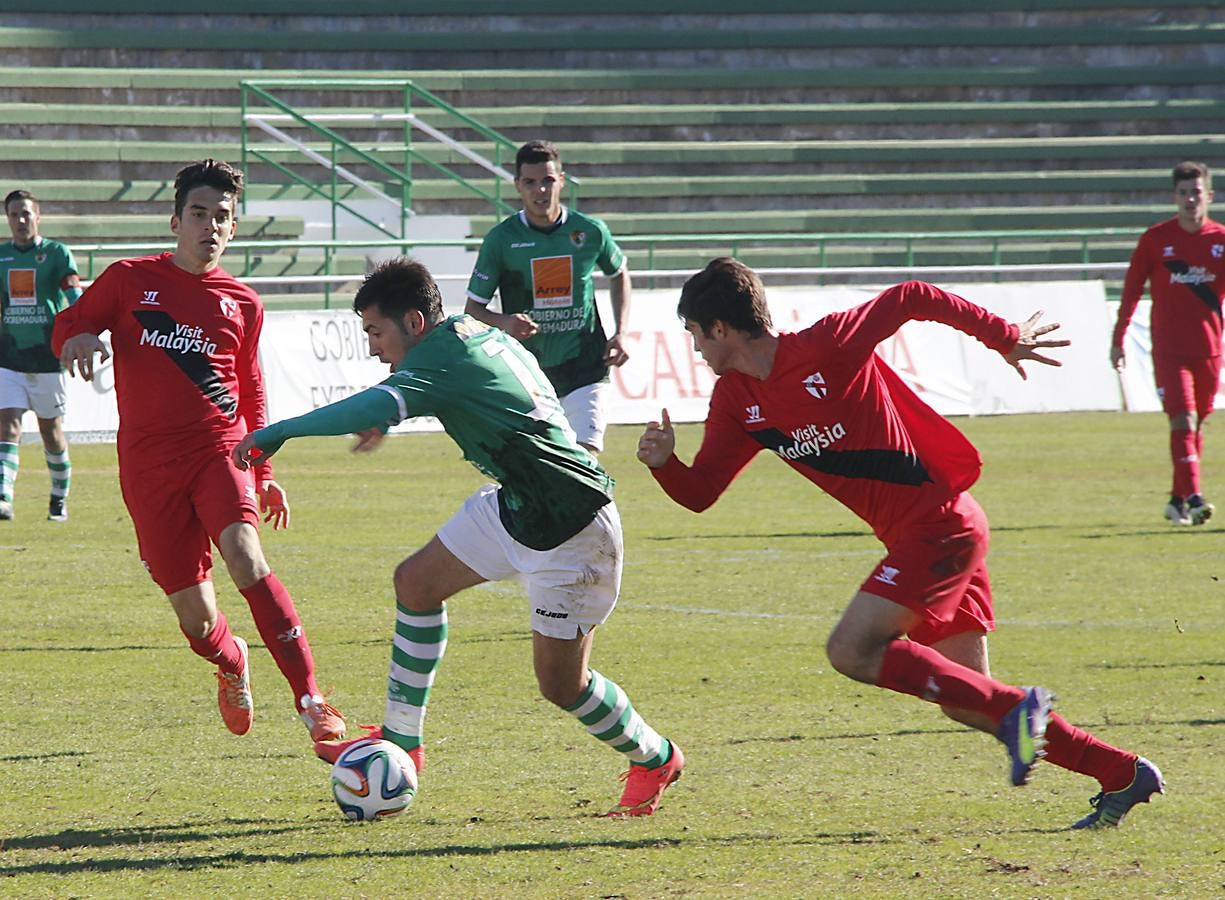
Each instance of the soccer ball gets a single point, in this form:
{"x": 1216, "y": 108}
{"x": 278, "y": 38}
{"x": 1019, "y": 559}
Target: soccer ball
{"x": 373, "y": 779}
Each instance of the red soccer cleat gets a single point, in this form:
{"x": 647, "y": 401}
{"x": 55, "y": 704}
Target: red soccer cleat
{"x": 644, "y": 788}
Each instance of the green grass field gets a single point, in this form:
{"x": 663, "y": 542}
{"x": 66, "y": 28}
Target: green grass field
{"x": 117, "y": 778}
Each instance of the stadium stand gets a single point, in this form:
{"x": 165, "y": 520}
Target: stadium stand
{"x": 680, "y": 118}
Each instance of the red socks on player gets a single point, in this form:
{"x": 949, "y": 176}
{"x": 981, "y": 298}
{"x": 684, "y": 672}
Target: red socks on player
{"x": 217, "y": 646}
{"x": 1184, "y": 453}
{"x": 912, "y": 668}
{"x": 278, "y": 624}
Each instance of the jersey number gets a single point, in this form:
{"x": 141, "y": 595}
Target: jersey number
{"x": 547, "y": 408}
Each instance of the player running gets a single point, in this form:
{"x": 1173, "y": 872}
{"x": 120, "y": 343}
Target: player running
{"x": 552, "y": 520}
{"x": 185, "y": 335}
{"x": 38, "y": 278}
{"x": 1183, "y": 262}
{"x": 836, "y": 413}
{"x": 541, "y": 262}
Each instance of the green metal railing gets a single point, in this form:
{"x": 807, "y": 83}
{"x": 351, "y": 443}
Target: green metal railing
{"x": 327, "y": 147}
{"x": 993, "y": 244}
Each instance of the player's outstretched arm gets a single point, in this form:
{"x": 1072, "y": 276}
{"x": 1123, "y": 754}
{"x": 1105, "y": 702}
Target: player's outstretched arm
{"x": 79, "y": 351}
{"x": 1029, "y": 341}
{"x": 658, "y": 442}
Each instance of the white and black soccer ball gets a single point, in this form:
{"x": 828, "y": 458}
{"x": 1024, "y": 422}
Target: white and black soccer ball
{"x": 373, "y": 779}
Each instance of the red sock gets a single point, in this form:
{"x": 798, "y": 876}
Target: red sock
{"x": 1185, "y": 457}
{"x": 279, "y": 626}
{"x": 1075, "y": 749}
{"x": 218, "y": 646}
{"x": 912, "y": 668}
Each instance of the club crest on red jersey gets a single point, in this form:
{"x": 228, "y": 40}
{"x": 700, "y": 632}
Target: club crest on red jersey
{"x": 815, "y": 385}
{"x": 229, "y": 306}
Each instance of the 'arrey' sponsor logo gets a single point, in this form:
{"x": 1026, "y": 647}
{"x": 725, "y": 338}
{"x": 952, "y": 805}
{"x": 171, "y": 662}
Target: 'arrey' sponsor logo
{"x": 1193, "y": 275}
{"x": 810, "y": 440}
{"x": 184, "y": 339}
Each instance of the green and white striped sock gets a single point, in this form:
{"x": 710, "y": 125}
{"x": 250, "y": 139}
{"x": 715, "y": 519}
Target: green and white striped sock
{"x": 610, "y": 717}
{"x": 8, "y": 470}
{"x": 60, "y": 467}
{"x": 420, "y": 642}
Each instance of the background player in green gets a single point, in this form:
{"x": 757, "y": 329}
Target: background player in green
{"x": 551, "y": 520}
{"x": 541, "y": 261}
{"x": 38, "y": 278}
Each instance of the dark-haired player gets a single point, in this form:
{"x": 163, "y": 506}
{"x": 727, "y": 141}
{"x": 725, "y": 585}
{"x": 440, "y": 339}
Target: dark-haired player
{"x": 1183, "y": 262}
{"x": 550, "y": 521}
{"x": 38, "y": 278}
{"x": 185, "y": 335}
{"x": 540, "y": 261}
{"x": 829, "y": 406}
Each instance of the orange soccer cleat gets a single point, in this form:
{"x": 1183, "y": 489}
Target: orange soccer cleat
{"x": 234, "y": 694}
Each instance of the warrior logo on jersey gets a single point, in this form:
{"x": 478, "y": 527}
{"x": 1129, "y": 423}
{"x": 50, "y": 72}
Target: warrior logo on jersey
{"x": 815, "y": 385}
{"x": 753, "y": 415}
{"x": 150, "y": 299}
{"x": 578, "y": 238}
{"x": 888, "y": 575}
{"x": 1167, "y": 251}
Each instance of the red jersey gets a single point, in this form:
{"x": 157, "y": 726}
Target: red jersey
{"x": 835, "y": 412}
{"x": 1185, "y": 273}
{"x": 187, "y": 375}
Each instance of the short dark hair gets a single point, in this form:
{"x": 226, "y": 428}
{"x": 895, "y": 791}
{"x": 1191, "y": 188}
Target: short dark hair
{"x": 1189, "y": 171}
{"x": 397, "y": 286}
{"x": 18, "y": 195}
{"x": 536, "y": 152}
{"x": 209, "y": 172}
{"x": 726, "y": 291}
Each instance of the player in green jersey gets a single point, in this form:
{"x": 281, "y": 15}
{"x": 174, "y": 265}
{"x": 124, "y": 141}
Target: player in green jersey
{"x": 551, "y": 520}
{"x": 541, "y": 262}
{"x": 38, "y": 278}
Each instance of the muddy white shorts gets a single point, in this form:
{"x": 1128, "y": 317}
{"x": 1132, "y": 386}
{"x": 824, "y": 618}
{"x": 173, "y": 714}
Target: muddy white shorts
{"x": 571, "y": 588}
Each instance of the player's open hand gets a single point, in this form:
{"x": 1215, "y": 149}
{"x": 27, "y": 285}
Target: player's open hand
{"x": 519, "y": 326}
{"x": 368, "y": 440}
{"x": 1029, "y": 342}
{"x": 614, "y": 352}
{"x": 79, "y": 351}
{"x": 274, "y": 505}
{"x": 657, "y": 443}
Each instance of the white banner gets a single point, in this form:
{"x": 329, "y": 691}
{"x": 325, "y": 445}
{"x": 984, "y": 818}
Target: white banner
{"x": 311, "y": 359}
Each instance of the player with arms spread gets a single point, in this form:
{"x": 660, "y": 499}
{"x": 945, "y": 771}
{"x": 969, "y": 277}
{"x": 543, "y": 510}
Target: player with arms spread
{"x": 829, "y": 406}
{"x": 551, "y": 520}
{"x": 38, "y": 278}
{"x": 541, "y": 261}
{"x": 185, "y": 335}
{"x": 1183, "y": 262}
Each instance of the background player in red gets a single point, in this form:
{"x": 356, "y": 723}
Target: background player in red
{"x": 830, "y": 407}
{"x": 1183, "y": 262}
{"x": 185, "y": 334}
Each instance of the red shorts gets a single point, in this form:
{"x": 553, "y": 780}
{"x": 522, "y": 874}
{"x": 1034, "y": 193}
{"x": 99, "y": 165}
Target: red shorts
{"x": 179, "y": 506}
{"x": 937, "y": 568}
{"x": 1187, "y": 385}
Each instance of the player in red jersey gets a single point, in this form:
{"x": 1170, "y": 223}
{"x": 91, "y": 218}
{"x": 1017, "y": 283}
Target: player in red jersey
{"x": 830, "y": 407}
{"x": 185, "y": 334}
{"x": 1183, "y": 262}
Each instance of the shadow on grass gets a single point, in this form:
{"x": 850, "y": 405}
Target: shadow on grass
{"x": 30, "y": 757}
{"x": 1182, "y": 664}
{"x": 380, "y": 641}
{"x": 137, "y": 836}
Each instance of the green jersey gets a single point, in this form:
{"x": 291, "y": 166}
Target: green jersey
{"x": 493, "y": 400}
{"x": 33, "y": 285}
{"x": 548, "y": 275}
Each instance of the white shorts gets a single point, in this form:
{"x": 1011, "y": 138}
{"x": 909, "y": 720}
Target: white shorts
{"x": 43, "y": 392}
{"x": 571, "y": 588}
{"x": 584, "y": 409}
